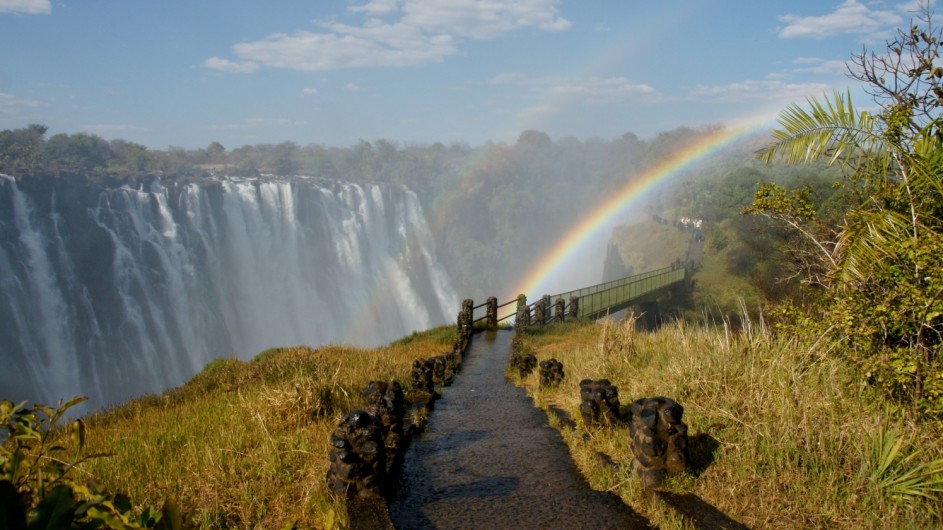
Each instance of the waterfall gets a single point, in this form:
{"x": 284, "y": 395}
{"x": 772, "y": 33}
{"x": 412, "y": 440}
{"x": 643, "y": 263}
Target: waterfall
{"x": 120, "y": 291}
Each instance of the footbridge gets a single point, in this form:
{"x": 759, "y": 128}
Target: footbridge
{"x": 590, "y": 303}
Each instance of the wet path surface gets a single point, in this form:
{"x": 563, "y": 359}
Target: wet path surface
{"x": 488, "y": 460}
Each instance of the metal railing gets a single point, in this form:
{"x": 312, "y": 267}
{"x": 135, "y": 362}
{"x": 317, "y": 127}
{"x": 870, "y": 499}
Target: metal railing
{"x": 598, "y": 300}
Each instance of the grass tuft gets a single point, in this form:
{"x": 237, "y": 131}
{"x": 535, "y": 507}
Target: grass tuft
{"x": 781, "y": 435}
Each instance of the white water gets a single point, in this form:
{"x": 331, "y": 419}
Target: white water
{"x": 139, "y": 288}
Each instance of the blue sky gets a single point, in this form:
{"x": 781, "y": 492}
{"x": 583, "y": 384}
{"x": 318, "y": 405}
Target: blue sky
{"x": 175, "y": 73}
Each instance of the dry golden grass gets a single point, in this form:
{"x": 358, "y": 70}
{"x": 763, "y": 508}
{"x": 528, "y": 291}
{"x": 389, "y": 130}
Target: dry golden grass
{"x": 782, "y": 435}
{"x": 245, "y": 444}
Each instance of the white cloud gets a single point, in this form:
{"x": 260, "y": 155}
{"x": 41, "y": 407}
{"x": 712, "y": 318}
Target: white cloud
{"x": 821, "y": 66}
{"x": 511, "y": 78}
{"x": 27, "y": 7}
{"x": 850, "y": 17}
{"x": 483, "y": 19}
{"x": 10, "y": 104}
{"x": 226, "y": 65}
{"x": 256, "y": 123}
{"x": 597, "y": 88}
{"x": 348, "y": 47}
{"x": 770, "y": 90}
{"x": 350, "y": 87}
{"x": 603, "y": 88}
{"x": 807, "y": 60}
{"x": 540, "y": 110}
{"x": 309, "y": 91}
{"x": 376, "y": 7}
{"x": 104, "y": 129}
{"x": 395, "y": 34}
{"x": 914, "y": 6}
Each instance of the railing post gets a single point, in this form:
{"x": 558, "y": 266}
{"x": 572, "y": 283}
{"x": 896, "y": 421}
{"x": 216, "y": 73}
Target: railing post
{"x": 465, "y": 320}
{"x": 560, "y": 311}
{"x": 548, "y": 304}
{"x": 540, "y": 312}
{"x": 492, "y": 312}
{"x": 522, "y": 314}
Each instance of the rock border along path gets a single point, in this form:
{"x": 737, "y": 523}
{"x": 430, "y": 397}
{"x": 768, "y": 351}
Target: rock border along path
{"x": 488, "y": 459}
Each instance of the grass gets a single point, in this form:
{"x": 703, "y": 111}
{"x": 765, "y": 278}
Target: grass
{"x": 245, "y": 444}
{"x": 781, "y": 436}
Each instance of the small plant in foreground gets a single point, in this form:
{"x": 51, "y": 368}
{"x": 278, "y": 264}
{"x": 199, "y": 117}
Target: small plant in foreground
{"x": 894, "y": 468}
{"x": 36, "y": 489}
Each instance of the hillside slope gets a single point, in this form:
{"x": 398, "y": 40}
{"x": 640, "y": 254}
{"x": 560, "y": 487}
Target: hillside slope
{"x": 782, "y": 435}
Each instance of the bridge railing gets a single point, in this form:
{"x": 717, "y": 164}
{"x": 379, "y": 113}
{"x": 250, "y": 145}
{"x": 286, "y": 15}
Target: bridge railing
{"x": 597, "y": 300}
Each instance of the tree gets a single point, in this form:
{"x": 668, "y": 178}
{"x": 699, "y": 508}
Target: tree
{"x": 881, "y": 266}
{"x": 130, "y": 155}
{"x": 216, "y": 152}
{"x": 21, "y": 149}
{"x": 79, "y": 151}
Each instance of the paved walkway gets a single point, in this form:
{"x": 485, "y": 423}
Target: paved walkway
{"x": 489, "y": 460}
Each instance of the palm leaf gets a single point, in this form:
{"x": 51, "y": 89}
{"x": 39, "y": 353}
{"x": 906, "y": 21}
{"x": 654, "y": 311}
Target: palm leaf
{"x": 868, "y": 244}
{"x": 926, "y": 165}
{"x": 830, "y": 129}
{"x": 897, "y": 469}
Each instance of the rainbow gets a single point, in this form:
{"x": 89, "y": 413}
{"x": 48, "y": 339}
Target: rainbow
{"x": 569, "y": 246}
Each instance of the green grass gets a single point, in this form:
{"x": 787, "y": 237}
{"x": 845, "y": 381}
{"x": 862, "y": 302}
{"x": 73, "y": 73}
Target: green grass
{"x": 782, "y": 436}
{"x": 245, "y": 444}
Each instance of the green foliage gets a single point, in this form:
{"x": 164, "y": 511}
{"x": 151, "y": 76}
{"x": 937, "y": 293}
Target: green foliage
{"x": 881, "y": 266}
{"x": 893, "y": 467}
{"x": 36, "y": 489}
{"x": 21, "y": 149}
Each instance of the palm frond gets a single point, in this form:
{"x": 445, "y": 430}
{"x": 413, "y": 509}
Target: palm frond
{"x": 868, "y": 244}
{"x": 830, "y": 129}
{"x": 896, "y": 470}
{"x": 926, "y": 165}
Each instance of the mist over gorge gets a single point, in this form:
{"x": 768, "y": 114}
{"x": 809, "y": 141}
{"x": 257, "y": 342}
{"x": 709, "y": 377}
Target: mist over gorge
{"x": 117, "y": 291}
{"x": 126, "y": 270}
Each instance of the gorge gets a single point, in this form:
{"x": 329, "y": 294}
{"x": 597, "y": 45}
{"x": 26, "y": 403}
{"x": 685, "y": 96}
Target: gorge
{"x": 111, "y": 290}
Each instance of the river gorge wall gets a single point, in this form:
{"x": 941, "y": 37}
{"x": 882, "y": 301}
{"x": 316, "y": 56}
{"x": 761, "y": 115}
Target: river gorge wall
{"x": 115, "y": 290}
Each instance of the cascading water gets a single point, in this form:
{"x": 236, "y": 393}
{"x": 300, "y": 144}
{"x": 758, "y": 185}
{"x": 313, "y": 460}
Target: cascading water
{"x": 114, "y": 292}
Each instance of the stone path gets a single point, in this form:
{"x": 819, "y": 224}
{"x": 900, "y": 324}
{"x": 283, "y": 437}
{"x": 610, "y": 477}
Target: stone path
{"x": 489, "y": 460}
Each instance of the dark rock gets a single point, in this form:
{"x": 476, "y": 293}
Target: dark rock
{"x": 600, "y": 402}
{"x": 659, "y": 440}
{"x": 422, "y": 375}
{"x": 551, "y": 373}
{"x": 385, "y": 402}
{"x": 358, "y": 466}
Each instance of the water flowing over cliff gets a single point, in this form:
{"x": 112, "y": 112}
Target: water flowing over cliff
{"x": 117, "y": 291}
